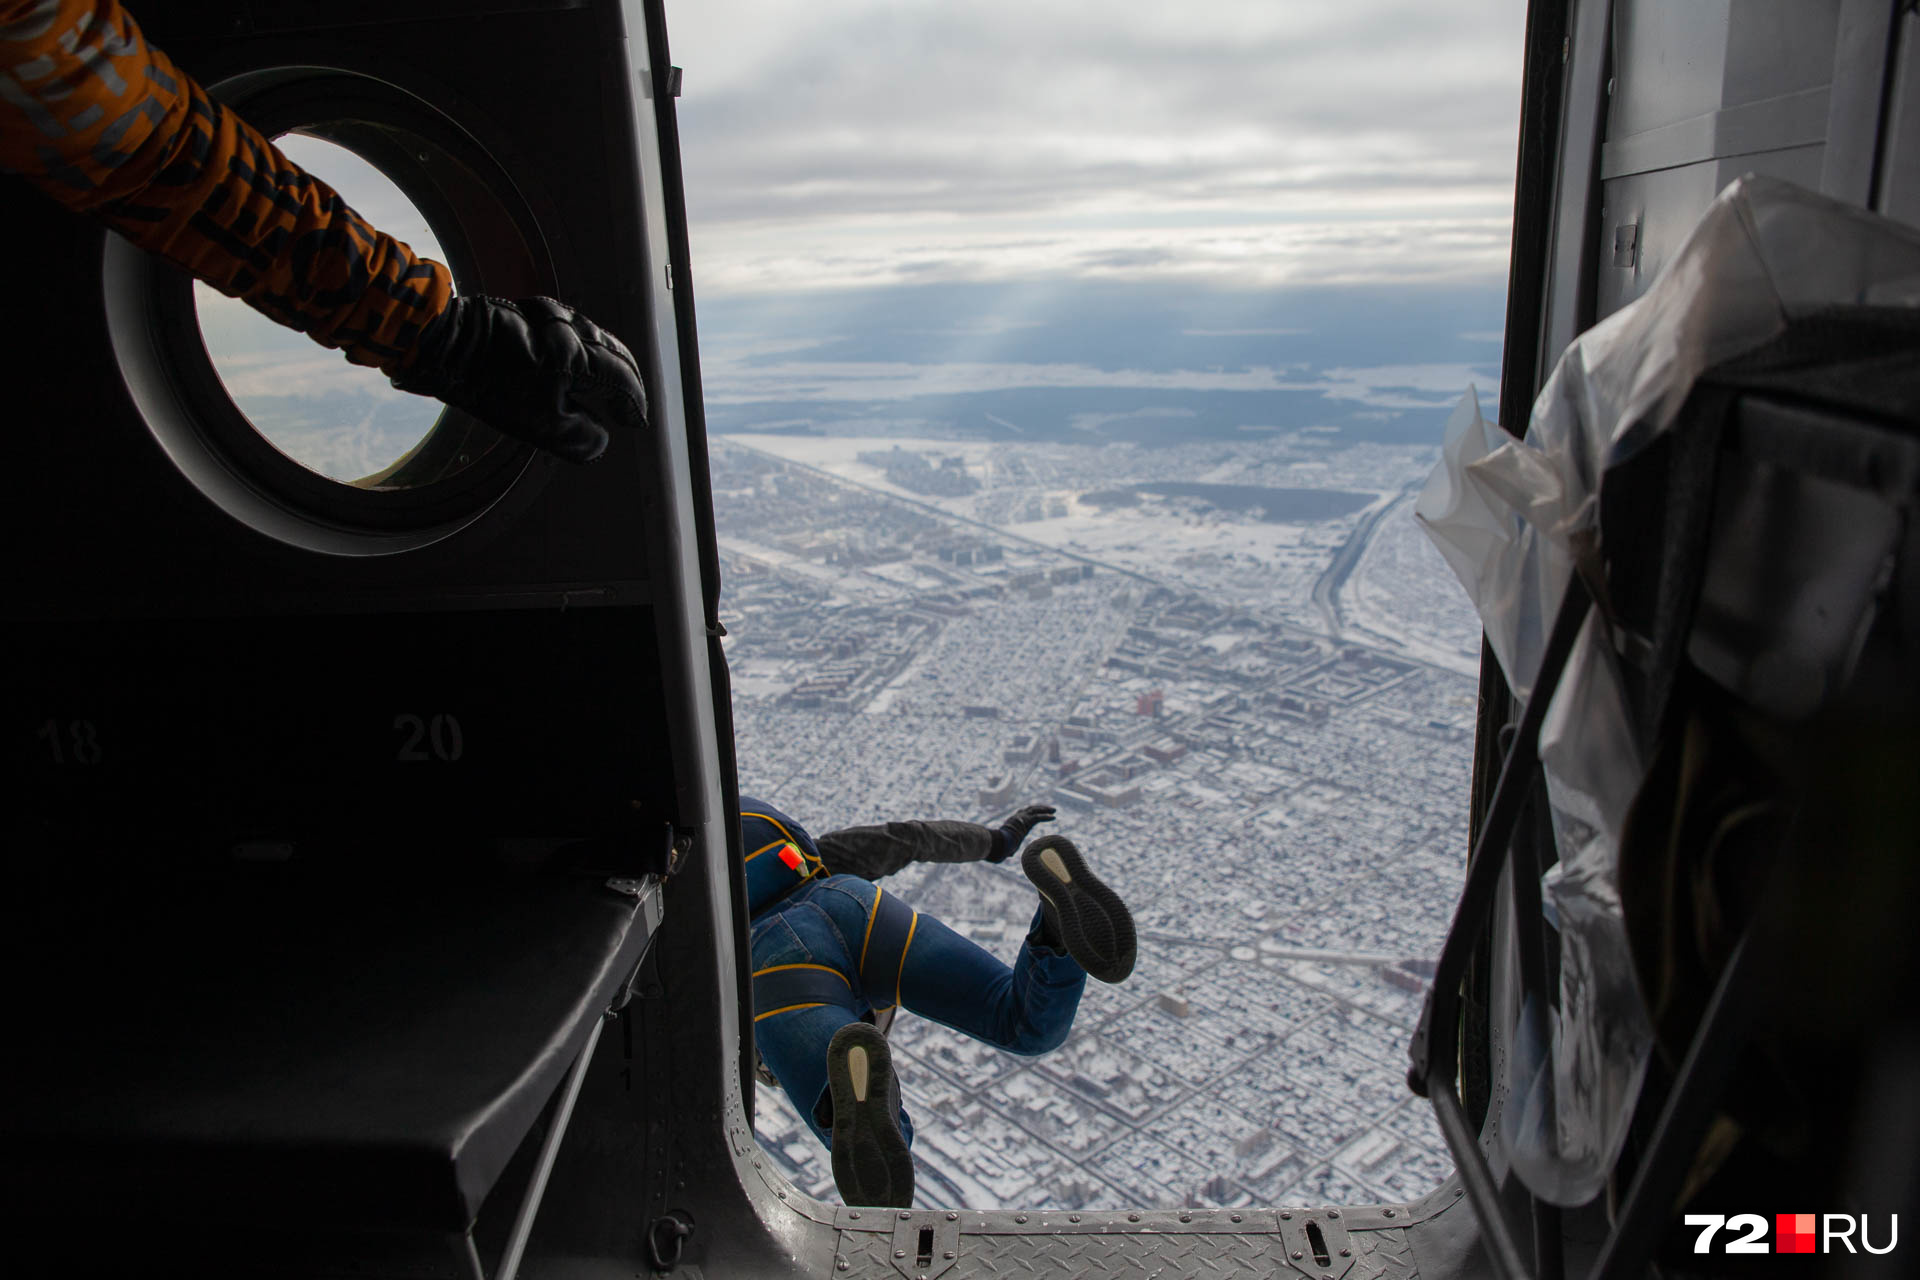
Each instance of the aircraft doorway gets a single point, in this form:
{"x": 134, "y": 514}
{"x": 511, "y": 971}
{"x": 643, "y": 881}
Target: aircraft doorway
{"x": 1064, "y": 436}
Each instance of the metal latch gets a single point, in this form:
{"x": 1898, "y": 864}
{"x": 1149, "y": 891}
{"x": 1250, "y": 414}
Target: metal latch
{"x": 1626, "y": 245}
{"x": 1317, "y": 1243}
{"x": 925, "y": 1244}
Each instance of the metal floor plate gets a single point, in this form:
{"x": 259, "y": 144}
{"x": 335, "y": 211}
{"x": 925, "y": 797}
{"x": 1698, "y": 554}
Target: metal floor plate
{"x": 1210, "y": 1244}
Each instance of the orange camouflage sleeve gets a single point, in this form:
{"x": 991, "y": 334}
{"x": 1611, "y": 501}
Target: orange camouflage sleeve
{"x": 108, "y": 126}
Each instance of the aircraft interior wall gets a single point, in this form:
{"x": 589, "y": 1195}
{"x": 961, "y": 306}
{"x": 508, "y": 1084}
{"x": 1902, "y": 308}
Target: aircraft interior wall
{"x": 1656, "y": 108}
{"x": 349, "y": 808}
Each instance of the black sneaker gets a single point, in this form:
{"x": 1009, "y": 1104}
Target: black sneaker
{"x": 1089, "y": 919}
{"x": 871, "y": 1164}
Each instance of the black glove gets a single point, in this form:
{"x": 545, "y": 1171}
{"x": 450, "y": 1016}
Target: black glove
{"x": 1011, "y": 832}
{"x": 534, "y": 369}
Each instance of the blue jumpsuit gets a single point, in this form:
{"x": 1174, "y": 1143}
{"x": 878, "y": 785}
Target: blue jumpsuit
{"x": 829, "y": 948}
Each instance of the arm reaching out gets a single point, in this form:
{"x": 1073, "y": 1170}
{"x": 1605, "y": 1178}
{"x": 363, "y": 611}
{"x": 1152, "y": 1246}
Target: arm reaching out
{"x": 873, "y": 852}
{"x": 108, "y": 126}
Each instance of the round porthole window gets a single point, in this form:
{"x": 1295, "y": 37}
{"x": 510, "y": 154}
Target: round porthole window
{"x": 288, "y": 436}
{"x": 340, "y": 420}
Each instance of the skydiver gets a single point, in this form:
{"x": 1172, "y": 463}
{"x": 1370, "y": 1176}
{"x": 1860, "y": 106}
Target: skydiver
{"x": 108, "y": 126}
{"x": 831, "y": 949}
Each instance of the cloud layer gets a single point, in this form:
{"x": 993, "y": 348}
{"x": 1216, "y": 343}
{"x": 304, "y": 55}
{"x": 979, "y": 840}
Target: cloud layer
{"x": 864, "y": 142}
{"x": 733, "y": 381}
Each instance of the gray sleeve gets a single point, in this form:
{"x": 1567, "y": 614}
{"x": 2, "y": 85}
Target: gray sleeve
{"x": 873, "y": 852}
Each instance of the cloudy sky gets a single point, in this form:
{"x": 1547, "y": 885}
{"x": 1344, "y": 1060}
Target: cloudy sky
{"x": 1239, "y": 143}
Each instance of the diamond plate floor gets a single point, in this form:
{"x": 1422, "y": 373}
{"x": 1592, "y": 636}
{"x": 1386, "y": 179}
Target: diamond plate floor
{"x": 1364, "y": 1244}
{"x": 1136, "y": 1257}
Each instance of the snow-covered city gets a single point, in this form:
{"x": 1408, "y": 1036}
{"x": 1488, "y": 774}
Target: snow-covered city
{"x": 1247, "y": 683}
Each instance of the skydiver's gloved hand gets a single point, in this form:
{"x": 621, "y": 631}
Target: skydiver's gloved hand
{"x": 534, "y": 369}
{"x": 1009, "y": 834}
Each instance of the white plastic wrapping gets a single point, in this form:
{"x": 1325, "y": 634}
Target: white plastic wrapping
{"x": 1506, "y": 514}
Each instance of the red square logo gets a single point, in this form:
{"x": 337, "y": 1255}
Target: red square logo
{"x": 791, "y": 856}
{"x": 1793, "y": 1232}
